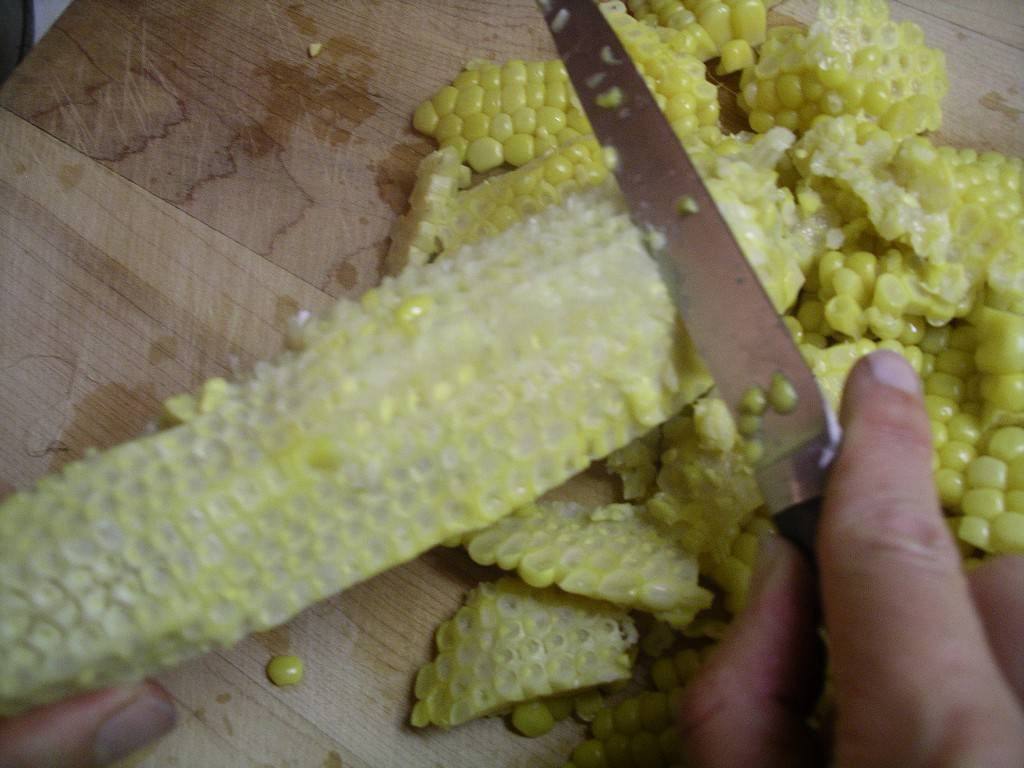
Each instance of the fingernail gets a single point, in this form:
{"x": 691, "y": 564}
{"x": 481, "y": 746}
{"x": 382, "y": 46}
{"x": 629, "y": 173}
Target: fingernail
{"x": 140, "y": 721}
{"x": 892, "y": 370}
{"x": 770, "y": 553}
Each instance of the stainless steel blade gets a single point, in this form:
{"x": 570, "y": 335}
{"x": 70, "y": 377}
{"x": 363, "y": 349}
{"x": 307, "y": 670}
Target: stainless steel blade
{"x": 726, "y": 311}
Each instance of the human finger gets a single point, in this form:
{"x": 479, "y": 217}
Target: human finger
{"x": 93, "y": 729}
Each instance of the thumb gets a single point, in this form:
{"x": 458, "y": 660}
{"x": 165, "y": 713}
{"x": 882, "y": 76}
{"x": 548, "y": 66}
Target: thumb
{"x": 748, "y": 704}
{"x": 914, "y": 676}
{"x": 89, "y": 730}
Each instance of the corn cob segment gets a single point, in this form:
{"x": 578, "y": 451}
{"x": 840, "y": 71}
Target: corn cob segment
{"x": 616, "y": 553}
{"x": 415, "y": 236}
{"x": 946, "y": 246}
{"x": 509, "y": 114}
{"x": 511, "y": 643}
{"x": 730, "y": 29}
{"x": 443, "y": 400}
{"x": 853, "y": 61}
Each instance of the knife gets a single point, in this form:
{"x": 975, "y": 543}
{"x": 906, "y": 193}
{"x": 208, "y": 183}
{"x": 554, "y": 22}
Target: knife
{"x": 727, "y": 313}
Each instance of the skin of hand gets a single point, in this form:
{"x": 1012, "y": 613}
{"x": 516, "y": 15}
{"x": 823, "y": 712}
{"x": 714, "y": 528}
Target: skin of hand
{"x": 927, "y": 662}
{"x": 94, "y": 729}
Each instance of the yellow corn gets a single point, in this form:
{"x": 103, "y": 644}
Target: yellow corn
{"x": 511, "y": 643}
{"x": 490, "y": 110}
{"x": 437, "y": 404}
{"x": 706, "y": 486}
{"x": 704, "y": 29}
{"x": 852, "y": 61}
{"x": 495, "y": 114}
{"x": 416, "y": 236}
{"x": 616, "y": 553}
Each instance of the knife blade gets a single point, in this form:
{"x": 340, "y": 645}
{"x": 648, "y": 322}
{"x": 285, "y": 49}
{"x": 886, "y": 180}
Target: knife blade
{"x": 727, "y": 313}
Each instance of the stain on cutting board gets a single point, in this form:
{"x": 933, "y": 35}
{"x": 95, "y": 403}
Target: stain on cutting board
{"x": 275, "y": 640}
{"x": 330, "y": 95}
{"x": 996, "y": 102}
{"x": 117, "y": 411}
{"x": 304, "y": 24}
{"x": 396, "y": 173}
{"x": 69, "y": 176}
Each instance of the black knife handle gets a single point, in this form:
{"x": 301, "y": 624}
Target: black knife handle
{"x": 799, "y": 524}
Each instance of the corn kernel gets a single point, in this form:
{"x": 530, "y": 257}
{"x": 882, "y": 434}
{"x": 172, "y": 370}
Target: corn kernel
{"x": 715, "y": 18}
{"x": 1015, "y": 501}
{"x": 957, "y": 455}
{"x": 1006, "y": 392}
{"x": 1008, "y": 533}
{"x": 964, "y": 428}
{"x": 476, "y": 126}
{"x": 944, "y": 385}
{"x": 513, "y": 97}
{"x": 444, "y": 100}
{"x": 975, "y": 531}
{"x": 524, "y": 120}
{"x": 939, "y": 408}
{"x": 761, "y": 122}
{"x": 491, "y": 104}
{"x": 550, "y": 119}
{"x": 735, "y": 55}
{"x": 956, "y": 362}
{"x": 501, "y": 127}
{"x": 987, "y": 472}
{"x": 950, "y": 485}
{"x": 983, "y": 502}
{"x": 1007, "y": 443}
{"x": 535, "y": 94}
{"x": 484, "y": 153}
{"x": 518, "y": 149}
{"x": 448, "y": 127}
{"x": 466, "y": 77}
{"x": 749, "y": 21}
{"x": 425, "y": 118}
{"x": 490, "y": 76}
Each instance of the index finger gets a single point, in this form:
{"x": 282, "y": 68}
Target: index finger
{"x": 905, "y": 640}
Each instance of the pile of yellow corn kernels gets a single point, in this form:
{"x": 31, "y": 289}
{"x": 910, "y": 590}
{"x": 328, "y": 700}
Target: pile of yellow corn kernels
{"x": 866, "y": 235}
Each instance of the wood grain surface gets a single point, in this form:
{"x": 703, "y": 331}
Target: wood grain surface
{"x": 177, "y": 178}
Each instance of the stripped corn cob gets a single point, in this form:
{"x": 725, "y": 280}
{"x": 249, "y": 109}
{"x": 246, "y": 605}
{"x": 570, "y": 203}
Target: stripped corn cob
{"x": 852, "y": 61}
{"x": 511, "y": 643}
{"x": 440, "y": 402}
{"x": 616, "y": 553}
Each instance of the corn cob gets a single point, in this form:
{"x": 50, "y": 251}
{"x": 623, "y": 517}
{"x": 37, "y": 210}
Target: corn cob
{"x": 944, "y": 247}
{"x": 615, "y": 553}
{"x": 514, "y": 112}
{"x": 511, "y": 643}
{"x": 498, "y": 202}
{"x": 730, "y": 29}
{"x": 852, "y": 61}
{"x": 415, "y": 236}
{"x": 440, "y": 402}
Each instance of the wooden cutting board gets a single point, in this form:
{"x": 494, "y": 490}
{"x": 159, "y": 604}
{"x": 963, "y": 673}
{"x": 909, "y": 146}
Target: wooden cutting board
{"x": 177, "y": 178}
